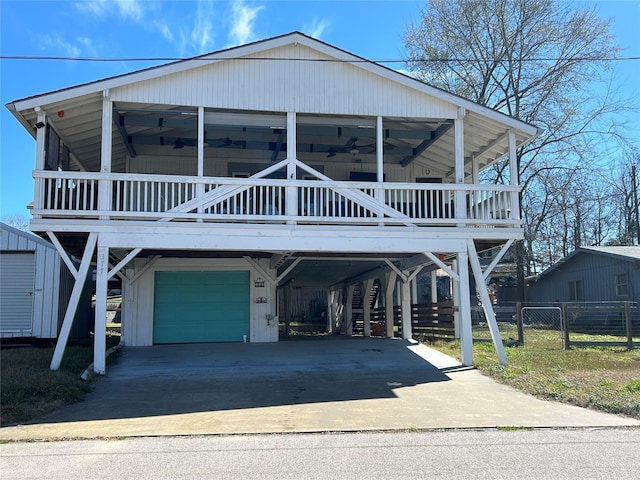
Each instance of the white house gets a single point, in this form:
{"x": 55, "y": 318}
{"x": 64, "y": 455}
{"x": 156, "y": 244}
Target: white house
{"x": 35, "y": 286}
{"x": 208, "y": 183}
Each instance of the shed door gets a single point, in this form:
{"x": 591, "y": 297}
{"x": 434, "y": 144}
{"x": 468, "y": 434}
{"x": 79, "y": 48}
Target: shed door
{"x": 191, "y": 307}
{"x": 17, "y": 271}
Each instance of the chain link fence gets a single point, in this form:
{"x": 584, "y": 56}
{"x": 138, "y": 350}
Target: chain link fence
{"x": 583, "y": 323}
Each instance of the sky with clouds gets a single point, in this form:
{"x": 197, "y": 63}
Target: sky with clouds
{"x": 182, "y": 28}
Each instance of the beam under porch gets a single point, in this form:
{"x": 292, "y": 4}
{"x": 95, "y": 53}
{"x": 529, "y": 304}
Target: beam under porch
{"x": 390, "y": 280}
{"x": 100, "y": 329}
{"x": 72, "y": 306}
{"x": 366, "y": 306}
{"x": 407, "y": 331}
{"x": 464, "y": 309}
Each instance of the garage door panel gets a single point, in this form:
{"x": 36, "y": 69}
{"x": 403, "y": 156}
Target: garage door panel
{"x": 201, "y": 307}
{"x": 16, "y": 293}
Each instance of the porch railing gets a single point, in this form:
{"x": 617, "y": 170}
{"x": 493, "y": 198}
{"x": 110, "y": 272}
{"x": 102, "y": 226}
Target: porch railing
{"x": 167, "y": 197}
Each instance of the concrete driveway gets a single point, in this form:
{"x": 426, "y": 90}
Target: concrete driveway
{"x": 332, "y": 384}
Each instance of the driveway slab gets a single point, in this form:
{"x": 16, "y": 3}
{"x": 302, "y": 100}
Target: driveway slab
{"x": 335, "y": 384}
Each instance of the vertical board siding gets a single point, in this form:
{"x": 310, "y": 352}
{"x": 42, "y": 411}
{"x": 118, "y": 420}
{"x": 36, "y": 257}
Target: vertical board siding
{"x": 282, "y": 84}
{"x": 48, "y": 281}
{"x": 16, "y": 293}
{"x": 597, "y": 273}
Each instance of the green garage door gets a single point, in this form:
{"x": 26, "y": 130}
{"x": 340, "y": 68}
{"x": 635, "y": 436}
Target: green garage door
{"x": 192, "y": 307}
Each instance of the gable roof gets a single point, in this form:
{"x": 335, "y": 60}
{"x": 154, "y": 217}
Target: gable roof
{"x": 251, "y": 49}
{"x": 624, "y": 253}
{"x": 291, "y": 72}
{"x": 29, "y": 238}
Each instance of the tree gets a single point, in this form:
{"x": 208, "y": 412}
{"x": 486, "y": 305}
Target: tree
{"x": 536, "y": 60}
{"x": 17, "y": 221}
{"x": 624, "y": 188}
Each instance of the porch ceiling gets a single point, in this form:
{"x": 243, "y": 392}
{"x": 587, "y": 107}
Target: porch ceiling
{"x": 172, "y": 132}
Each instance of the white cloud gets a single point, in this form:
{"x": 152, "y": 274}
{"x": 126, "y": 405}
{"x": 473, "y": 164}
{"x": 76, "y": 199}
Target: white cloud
{"x": 56, "y": 43}
{"x": 128, "y": 9}
{"x": 164, "y": 30}
{"x": 202, "y": 32}
{"x": 316, "y": 28}
{"x": 243, "y": 18}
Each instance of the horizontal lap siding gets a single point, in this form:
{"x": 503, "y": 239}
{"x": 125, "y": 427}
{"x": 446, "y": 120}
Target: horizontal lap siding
{"x": 286, "y": 85}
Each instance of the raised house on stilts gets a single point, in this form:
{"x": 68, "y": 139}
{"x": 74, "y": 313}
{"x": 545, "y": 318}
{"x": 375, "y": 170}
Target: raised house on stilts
{"x": 211, "y": 183}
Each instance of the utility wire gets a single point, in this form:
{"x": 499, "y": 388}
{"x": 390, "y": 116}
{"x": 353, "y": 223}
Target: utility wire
{"x": 326, "y": 60}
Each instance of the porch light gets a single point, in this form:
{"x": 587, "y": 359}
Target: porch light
{"x": 259, "y": 282}
{"x": 40, "y": 124}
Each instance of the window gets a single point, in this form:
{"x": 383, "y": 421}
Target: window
{"x": 575, "y": 291}
{"x": 622, "y": 285}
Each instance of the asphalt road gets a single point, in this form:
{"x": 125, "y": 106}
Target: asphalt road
{"x": 463, "y": 454}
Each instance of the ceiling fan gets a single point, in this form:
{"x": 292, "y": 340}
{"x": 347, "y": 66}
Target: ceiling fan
{"x": 351, "y": 147}
{"x": 216, "y": 142}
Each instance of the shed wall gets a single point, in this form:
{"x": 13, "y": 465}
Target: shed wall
{"x": 597, "y": 273}
{"x": 52, "y": 285}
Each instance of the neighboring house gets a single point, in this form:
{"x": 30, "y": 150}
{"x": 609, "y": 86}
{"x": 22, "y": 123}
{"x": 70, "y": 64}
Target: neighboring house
{"x": 590, "y": 274}
{"x": 35, "y": 286}
{"x": 207, "y": 184}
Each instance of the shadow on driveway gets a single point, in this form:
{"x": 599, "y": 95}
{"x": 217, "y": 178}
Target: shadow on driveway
{"x": 178, "y": 379}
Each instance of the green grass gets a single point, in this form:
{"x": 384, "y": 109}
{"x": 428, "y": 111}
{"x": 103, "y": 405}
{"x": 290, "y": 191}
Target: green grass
{"x": 601, "y": 378}
{"x": 29, "y": 389}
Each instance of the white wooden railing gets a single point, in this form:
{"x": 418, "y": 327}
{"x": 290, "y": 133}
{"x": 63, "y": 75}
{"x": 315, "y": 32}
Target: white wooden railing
{"x": 167, "y": 197}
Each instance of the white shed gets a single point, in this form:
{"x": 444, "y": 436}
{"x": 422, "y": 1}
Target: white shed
{"x": 35, "y": 286}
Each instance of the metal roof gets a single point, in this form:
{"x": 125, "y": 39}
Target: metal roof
{"x": 627, "y": 253}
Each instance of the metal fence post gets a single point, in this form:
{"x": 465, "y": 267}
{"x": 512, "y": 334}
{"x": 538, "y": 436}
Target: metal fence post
{"x": 564, "y": 321}
{"x": 627, "y": 321}
{"x": 519, "y": 325}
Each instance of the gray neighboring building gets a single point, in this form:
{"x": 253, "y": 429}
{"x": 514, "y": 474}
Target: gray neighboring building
{"x": 590, "y": 274}
{"x": 35, "y": 286}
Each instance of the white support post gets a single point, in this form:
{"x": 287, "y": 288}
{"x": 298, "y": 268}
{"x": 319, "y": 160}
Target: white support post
{"x": 486, "y": 302}
{"x": 331, "y": 308}
{"x": 366, "y": 306}
{"x": 292, "y": 192}
{"x": 389, "y": 286}
{"x": 72, "y": 306}
{"x": 434, "y": 286}
{"x": 414, "y": 290}
{"x": 466, "y": 334}
{"x": 380, "y": 164}
{"x": 455, "y": 297}
{"x": 100, "y": 330}
{"x": 514, "y": 176}
{"x": 348, "y": 310}
{"x": 407, "y": 332}
{"x": 41, "y": 137}
{"x": 200, "y": 186}
{"x": 104, "y": 186}
{"x": 460, "y": 200}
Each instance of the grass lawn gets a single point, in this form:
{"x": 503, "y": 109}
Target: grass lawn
{"x": 601, "y": 378}
{"x": 29, "y": 389}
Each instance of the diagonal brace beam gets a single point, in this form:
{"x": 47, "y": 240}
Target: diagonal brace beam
{"x": 486, "y": 302}
{"x": 63, "y": 336}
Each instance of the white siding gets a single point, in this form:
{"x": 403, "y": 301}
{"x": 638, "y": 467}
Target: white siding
{"x": 137, "y": 308}
{"x": 272, "y": 82}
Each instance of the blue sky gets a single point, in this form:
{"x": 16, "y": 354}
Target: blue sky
{"x": 179, "y": 28}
